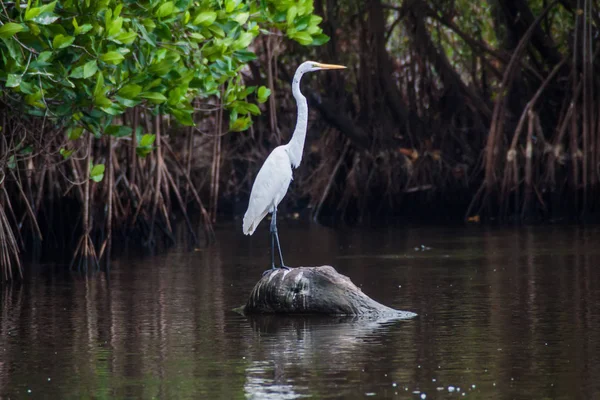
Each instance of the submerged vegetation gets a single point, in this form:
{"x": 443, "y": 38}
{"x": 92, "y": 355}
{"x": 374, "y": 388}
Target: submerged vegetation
{"x": 116, "y": 113}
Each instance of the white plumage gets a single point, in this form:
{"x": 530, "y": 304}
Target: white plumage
{"x": 269, "y": 188}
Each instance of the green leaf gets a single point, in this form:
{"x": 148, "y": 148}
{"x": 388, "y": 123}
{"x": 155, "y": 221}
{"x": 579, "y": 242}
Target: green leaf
{"x": 197, "y": 36}
{"x": 244, "y": 55}
{"x": 315, "y": 20}
{"x": 34, "y": 99}
{"x": 102, "y": 101}
{"x": 49, "y": 7}
{"x": 152, "y": 84}
{"x": 313, "y": 30}
{"x": 165, "y": 10}
{"x": 240, "y": 124}
{"x": 241, "y": 18}
{"x": 147, "y": 140}
{"x": 184, "y": 117}
{"x": 154, "y": 97}
{"x": 97, "y": 173}
{"x": 142, "y": 152}
{"x": 246, "y": 92}
{"x": 44, "y": 56}
{"x": 37, "y": 12}
{"x": 303, "y": 38}
{"x": 85, "y": 71}
{"x": 10, "y": 29}
{"x": 291, "y": 14}
{"x": 263, "y": 94}
{"x": 149, "y": 24}
{"x": 27, "y": 87}
{"x": 13, "y": 80}
{"x": 145, "y": 145}
{"x": 61, "y": 41}
{"x": 205, "y": 18}
{"x": 118, "y": 131}
{"x": 243, "y": 41}
{"x": 112, "y": 57}
{"x": 90, "y": 68}
{"x": 115, "y": 26}
{"x": 46, "y": 18}
{"x": 319, "y": 39}
{"x": 161, "y": 68}
{"x": 145, "y": 34}
{"x": 130, "y": 91}
{"x": 230, "y": 5}
{"x": 127, "y": 102}
{"x": 217, "y": 31}
{"x": 75, "y": 133}
{"x": 99, "y": 88}
{"x": 126, "y": 37}
{"x": 253, "y": 109}
{"x": 32, "y": 13}
{"x": 302, "y": 23}
{"x": 113, "y": 109}
{"x": 13, "y": 48}
{"x": 66, "y": 153}
{"x": 83, "y": 29}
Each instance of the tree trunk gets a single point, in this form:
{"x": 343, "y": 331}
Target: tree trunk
{"x": 314, "y": 290}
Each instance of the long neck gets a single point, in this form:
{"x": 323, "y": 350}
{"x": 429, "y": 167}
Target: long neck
{"x": 296, "y": 144}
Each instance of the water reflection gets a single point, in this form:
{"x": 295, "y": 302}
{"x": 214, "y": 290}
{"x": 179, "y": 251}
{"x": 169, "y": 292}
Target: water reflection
{"x": 503, "y": 313}
{"x": 321, "y": 345}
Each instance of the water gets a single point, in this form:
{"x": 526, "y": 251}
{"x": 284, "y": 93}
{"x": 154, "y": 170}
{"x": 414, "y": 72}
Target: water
{"x": 503, "y": 313}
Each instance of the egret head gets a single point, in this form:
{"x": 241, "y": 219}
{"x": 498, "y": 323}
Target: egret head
{"x": 309, "y": 66}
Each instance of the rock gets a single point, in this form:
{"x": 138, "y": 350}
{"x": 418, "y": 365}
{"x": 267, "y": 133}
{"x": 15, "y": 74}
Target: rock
{"x": 314, "y": 290}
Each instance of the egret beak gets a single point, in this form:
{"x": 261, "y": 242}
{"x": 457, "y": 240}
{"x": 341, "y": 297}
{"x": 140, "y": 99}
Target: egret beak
{"x": 329, "y": 66}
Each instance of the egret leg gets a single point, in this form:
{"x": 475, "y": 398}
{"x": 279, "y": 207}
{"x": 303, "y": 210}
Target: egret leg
{"x": 274, "y": 233}
{"x": 272, "y": 245}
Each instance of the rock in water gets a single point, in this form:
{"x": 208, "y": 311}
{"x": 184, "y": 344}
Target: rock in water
{"x": 314, "y": 290}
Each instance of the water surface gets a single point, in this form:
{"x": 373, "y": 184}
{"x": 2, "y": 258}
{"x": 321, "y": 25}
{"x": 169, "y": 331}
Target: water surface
{"x": 503, "y": 313}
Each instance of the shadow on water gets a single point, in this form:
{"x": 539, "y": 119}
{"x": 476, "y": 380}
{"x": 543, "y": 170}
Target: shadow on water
{"x": 502, "y": 313}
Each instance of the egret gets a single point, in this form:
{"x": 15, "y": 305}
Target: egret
{"x": 275, "y": 175}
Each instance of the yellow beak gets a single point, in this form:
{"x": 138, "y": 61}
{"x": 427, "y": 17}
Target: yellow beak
{"x": 329, "y": 66}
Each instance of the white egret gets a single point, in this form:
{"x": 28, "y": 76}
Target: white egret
{"x": 275, "y": 175}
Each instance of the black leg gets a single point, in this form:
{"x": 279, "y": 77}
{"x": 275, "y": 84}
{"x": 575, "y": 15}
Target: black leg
{"x": 274, "y": 231}
{"x": 272, "y": 245}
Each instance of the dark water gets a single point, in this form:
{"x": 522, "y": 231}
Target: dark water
{"x": 503, "y": 313}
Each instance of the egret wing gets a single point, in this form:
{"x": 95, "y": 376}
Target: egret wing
{"x": 269, "y": 188}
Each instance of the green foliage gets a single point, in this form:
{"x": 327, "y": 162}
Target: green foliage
{"x": 10, "y": 29}
{"x": 145, "y": 143}
{"x": 263, "y": 94}
{"x": 97, "y": 172}
{"x": 81, "y": 63}
{"x": 66, "y": 153}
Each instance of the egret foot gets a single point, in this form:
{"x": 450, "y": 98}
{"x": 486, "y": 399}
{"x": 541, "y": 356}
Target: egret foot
{"x": 274, "y": 268}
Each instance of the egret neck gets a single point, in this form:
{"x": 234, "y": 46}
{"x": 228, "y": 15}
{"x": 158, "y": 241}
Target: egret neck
{"x": 296, "y": 145}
